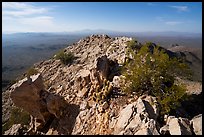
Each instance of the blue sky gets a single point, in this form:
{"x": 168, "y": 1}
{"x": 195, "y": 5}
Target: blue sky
{"x": 116, "y": 16}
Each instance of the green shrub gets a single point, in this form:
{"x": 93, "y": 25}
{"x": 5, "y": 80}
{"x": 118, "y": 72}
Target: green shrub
{"x": 155, "y": 74}
{"x": 132, "y": 44}
{"x": 18, "y": 116}
{"x": 65, "y": 58}
{"x": 31, "y": 71}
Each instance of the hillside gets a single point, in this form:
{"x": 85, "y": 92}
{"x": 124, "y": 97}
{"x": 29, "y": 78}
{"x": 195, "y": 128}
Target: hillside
{"x": 85, "y": 97}
{"x": 21, "y": 50}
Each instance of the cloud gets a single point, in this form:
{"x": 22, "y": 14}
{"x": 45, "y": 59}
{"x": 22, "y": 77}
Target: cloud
{"x": 172, "y": 23}
{"x": 167, "y": 22}
{"x": 15, "y": 5}
{"x": 180, "y": 8}
{"x": 27, "y": 17}
{"x": 21, "y": 9}
{"x": 24, "y": 12}
{"x": 42, "y": 20}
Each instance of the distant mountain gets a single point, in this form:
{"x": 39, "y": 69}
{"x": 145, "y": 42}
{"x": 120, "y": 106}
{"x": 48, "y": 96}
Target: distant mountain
{"x": 32, "y": 39}
{"x": 147, "y": 33}
{"x": 110, "y": 32}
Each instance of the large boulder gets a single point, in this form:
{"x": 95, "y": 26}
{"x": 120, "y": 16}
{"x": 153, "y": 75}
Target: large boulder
{"x": 29, "y": 94}
{"x": 124, "y": 117}
{"x": 196, "y": 123}
{"x": 26, "y": 93}
{"x": 136, "y": 119}
{"x": 176, "y": 126}
{"x": 103, "y": 66}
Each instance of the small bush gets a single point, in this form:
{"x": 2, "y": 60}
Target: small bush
{"x": 18, "y": 116}
{"x": 65, "y": 58}
{"x": 132, "y": 44}
{"x": 31, "y": 71}
{"x": 155, "y": 74}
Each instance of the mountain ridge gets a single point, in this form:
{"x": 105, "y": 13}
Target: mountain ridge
{"x": 97, "y": 62}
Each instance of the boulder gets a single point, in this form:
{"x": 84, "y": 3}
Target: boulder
{"x": 123, "y": 118}
{"x": 26, "y": 94}
{"x": 55, "y": 105}
{"x": 179, "y": 126}
{"x": 29, "y": 94}
{"x": 136, "y": 118}
{"x": 102, "y": 65}
{"x": 151, "y": 107}
{"x": 185, "y": 126}
{"x": 174, "y": 127}
{"x": 196, "y": 123}
{"x": 151, "y": 125}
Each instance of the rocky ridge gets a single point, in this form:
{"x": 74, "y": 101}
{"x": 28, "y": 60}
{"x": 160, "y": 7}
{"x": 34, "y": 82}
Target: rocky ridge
{"x": 75, "y": 98}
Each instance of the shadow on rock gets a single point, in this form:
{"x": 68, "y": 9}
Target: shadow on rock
{"x": 65, "y": 124}
{"x": 190, "y": 107}
{"x": 44, "y": 107}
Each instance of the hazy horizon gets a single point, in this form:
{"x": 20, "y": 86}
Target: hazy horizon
{"x": 90, "y": 30}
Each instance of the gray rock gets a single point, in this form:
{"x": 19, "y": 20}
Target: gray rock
{"x": 40, "y": 104}
{"x": 185, "y": 126}
{"x": 151, "y": 125}
{"x": 164, "y": 130}
{"x": 174, "y": 127}
{"x": 140, "y": 106}
{"x": 179, "y": 126}
{"x": 135, "y": 123}
{"x": 137, "y": 117}
{"x": 123, "y": 119}
{"x": 103, "y": 66}
{"x": 197, "y": 124}
{"x": 151, "y": 107}
{"x": 25, "y": 95}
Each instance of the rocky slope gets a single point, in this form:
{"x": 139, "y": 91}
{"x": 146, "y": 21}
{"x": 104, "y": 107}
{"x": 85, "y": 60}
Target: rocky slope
{"x": 84, "y": 97}
{"x": 193, "y": 58}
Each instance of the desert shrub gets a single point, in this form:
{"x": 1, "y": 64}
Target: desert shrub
{"x": 65, "y": 58}
{"x": 31, "y": 71}
{"x": 132, "y": 44}
{"x": 18, "y": 116}
{"x": 155, "y": 74}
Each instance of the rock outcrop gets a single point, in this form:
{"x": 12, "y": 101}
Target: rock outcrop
{"x": 138, "y": 118}
{"x": 30, "y": 95}
{"x": 196, "y": 123}
{"x": 182, "y": 126}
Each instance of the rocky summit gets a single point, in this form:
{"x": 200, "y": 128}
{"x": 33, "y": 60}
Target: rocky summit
{"x": 84, "y": 97}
